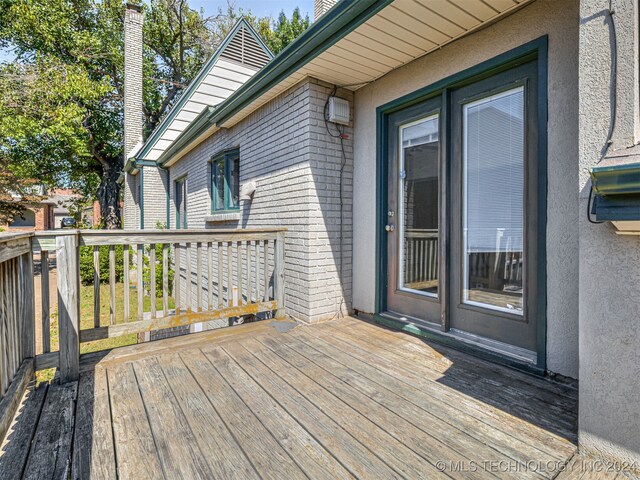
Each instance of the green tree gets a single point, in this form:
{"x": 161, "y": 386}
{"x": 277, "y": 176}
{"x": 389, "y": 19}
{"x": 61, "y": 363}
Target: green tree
{"x": 61, "y": 101}
{"x": 286, "y": 30}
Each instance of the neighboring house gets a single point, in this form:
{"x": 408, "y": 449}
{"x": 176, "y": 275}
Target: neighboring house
{"x": 47, "y": 215}
{"x": 432, "y": 161}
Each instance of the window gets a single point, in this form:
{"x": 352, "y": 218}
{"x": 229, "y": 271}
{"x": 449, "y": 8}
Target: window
{"x": 181, "y": 203}
{"x": 25, "y": 219}
{"x": 225, "y": 181}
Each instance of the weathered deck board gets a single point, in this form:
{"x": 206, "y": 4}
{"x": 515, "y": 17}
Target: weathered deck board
{"x": 93, "y": 447}
{"x": 450, "y": 436}
{"x": 286, "y": 387}
{"x": 224, "y": 456}
{"x": 50, "y": 456}
{"x": 15, "y": 450}
{"x": 339, "y": 400}
{"x": 266, "y": 454}
{"x": 175, "y": 443}
{"x": 135, "y": 448}
{"x": 311, "y": 456}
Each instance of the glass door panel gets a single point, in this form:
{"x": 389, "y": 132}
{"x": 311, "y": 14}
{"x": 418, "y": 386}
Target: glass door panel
{"x": 418, "y": 201}
{"x": 493, "y": 201}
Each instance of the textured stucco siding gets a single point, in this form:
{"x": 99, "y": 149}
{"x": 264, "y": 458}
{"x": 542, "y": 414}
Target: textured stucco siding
{"x": 285, "y": 148}
{"x": 559, "y": 20}
{"x": 609, "y": 419}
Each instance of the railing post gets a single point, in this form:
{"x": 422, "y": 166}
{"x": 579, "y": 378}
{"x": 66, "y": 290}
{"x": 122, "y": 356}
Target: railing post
{"x": 27, "y": 305}
{"x": 68, "y": 253}
{"x": 278, "y": 275}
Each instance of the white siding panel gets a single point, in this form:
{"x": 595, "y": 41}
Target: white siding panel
{"x": 236, "y": 67}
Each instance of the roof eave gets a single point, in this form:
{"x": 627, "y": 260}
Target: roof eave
{"x": 338, "y": 22}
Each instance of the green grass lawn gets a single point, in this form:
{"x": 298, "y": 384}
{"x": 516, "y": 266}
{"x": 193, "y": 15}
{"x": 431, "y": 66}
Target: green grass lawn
{"x": 86, "y": 320}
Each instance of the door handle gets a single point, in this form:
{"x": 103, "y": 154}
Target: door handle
{"x": 389, "y": 228}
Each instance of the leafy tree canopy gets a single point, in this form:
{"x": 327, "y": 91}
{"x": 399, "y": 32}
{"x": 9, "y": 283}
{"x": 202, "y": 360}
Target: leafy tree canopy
{"x": 61, "y": 100}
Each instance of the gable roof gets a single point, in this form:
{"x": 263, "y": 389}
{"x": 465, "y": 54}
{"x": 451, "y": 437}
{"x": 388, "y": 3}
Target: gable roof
{"x": 237, "y": 59}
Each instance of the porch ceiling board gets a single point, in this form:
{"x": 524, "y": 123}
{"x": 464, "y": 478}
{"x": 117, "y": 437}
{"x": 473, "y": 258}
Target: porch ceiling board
{"x": 399, "y": 33}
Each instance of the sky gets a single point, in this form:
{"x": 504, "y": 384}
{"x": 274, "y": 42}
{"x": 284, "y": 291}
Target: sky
{"x": 260, "y": 8}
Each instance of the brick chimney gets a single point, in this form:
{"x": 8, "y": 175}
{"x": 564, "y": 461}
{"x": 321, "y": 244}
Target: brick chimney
{"x": 320, "y": 7}
{"x": 133, "y": 118}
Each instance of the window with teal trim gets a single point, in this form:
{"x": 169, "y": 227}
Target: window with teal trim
{"x": 181, "y": 203}
{"x": 225, "y": 181}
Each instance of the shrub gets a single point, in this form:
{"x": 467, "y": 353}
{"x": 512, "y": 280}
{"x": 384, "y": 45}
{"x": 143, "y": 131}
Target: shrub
{"x": 147, "y": 270}
{"x": 86, "y": 264}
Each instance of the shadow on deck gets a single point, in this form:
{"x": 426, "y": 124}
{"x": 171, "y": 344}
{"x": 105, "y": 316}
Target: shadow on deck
{"x": 342, "y": 399}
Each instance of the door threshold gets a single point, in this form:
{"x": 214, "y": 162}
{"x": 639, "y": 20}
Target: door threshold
{"x": 492, "y": 350}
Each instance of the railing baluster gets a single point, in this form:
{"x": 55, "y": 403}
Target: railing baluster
{"x": 229, "y": 275}
{"x": 3, "y": 334}
{"x": 112, "y": 284}
{"x": 266, "y": 269}
{"x": 67, "y": 251}
{"x": 140, "y": 280}
{"x": 127, "y": 281}
{"x": 96, "y": 286}
{"x": 177, "y": 277}
{"x": 46, "y": 304}
{"x": 199, "y": 276}
{"x": 278, "y": 275}
{"x": 257, "y": 269}
{"x": 210, "y": 275}
{"x": 27, "y": 314}
{"x": 165, "y": 279}
{"x": 10, "y": 318}
{"x": 249, "y": 295}
{"x": 220, "y": 277}
{"x": 187, "y": 260}
{"x": 152, "y": 279}
{"x": 239, "y": 270}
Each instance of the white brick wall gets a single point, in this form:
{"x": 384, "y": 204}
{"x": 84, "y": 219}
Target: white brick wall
{"x": 155, "y": 197}
{"x": 131, "y": 210}
{"x": 285, "y": 148}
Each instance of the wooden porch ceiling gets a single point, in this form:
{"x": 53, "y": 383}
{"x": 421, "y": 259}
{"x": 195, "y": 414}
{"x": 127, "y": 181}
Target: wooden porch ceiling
{"x": 342, "y": 399}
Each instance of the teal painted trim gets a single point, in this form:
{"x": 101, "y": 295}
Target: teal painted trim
{"x": 146, "y": 163}
{"x": 507, "y": 60}
{"x": 430, "y": 335}
{"x": 620, "y": 208}
{"x": 197, "y": 127}
{"x": 177, "y": 184}
{"x": 616, "y": 179}
{"x": 338, "y": 22}
{"x": 226, "y": 155}
{"x": 534, "y": 50}
{"x": 204, "y": 71}
{"x": 142, "y": 199}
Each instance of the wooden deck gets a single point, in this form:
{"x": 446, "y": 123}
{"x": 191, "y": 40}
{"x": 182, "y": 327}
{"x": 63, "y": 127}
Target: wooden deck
{"x": 344, "y": 399}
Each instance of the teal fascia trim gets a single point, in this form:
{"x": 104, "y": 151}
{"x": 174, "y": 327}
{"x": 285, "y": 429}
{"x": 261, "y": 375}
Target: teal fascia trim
{"x": 204, "y": 71}
{"x": 141, "y": 199}
{"x": 616, "y": 208}
{"x": 342, "y": 19}
{"x": 616, "y": 179}
{"x": 197, "y": 127}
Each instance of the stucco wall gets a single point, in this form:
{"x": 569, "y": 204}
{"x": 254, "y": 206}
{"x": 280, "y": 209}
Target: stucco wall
{"x": 609, "y": 419}
{"x": 285, "y": 148}
{"x": 559, "y": 20}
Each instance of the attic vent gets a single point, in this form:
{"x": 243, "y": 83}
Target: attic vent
{"x": 243, "y": 48}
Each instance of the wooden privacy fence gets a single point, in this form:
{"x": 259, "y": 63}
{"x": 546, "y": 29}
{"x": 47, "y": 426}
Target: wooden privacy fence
{"x": 217, "y": 275}
{"x": 17, "y": 322}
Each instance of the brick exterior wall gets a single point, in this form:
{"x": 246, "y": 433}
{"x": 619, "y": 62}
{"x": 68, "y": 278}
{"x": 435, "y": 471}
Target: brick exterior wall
{"x": 285, "y": 148}
{"x": 155, "y": 197}
{"x": 131, "y": 211}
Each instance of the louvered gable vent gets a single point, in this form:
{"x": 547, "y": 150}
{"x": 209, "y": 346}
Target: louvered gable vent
{"x": 243, "y": 48}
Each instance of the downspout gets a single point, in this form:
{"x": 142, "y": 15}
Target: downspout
{"x": 141, "y": 198}
{"x": 168, "y": 196}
